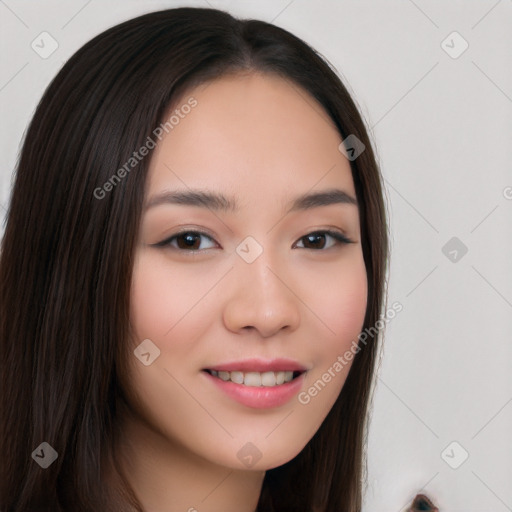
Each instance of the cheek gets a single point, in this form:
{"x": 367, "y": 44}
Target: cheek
{"x": 161, "y": 301}
{"x": 341, "y": 306}
{"x": 149, "y": 299}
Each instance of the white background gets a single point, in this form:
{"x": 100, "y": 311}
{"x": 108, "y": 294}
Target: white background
{"x": 442, "y": 128}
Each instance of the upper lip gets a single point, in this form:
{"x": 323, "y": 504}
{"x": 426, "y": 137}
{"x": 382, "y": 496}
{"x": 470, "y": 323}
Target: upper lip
{"x": 259, "y": 365}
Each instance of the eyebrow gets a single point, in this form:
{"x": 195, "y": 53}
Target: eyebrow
{"x": 219, "y": 202}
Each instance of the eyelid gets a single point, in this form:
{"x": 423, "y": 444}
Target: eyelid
{"x": 335, "y": 233}
{"x": 167, "y": 241}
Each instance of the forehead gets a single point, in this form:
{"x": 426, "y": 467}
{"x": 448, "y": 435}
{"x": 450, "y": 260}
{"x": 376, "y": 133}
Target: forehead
{"x": 250, "y": 133}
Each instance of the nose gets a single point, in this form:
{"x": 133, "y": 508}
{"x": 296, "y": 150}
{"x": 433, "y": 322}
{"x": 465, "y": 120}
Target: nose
{"x": 262, "y": 298}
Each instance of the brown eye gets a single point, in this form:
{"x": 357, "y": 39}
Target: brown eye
{"x": 186, "y": 240}
{"x": 318, "y": 239}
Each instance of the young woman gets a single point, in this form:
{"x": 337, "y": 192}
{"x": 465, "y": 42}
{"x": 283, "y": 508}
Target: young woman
{"x": 191, "y": 278}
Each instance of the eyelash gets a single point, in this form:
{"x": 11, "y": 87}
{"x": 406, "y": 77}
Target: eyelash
{"x": 340, "y": 237}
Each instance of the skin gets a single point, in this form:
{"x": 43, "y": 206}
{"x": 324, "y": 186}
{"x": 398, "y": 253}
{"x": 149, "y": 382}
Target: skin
{"x": 264, "y": 141}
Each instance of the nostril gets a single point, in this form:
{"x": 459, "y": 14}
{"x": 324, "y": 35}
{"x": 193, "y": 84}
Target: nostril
{"x": 422, "y": 504}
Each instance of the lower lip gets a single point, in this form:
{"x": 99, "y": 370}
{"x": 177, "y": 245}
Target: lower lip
{"x": 259, "y": 397}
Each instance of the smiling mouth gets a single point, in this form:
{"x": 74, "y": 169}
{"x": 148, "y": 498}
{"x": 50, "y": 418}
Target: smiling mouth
{"x": 256, "y": 379}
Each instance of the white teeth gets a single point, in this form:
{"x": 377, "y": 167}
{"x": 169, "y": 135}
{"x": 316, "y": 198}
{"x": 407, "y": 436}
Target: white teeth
{"x": 237, "y": 377}
{"x": 255, "y": 379}
{"x": 268, "y": 379}
{"x": 252, "y": 379}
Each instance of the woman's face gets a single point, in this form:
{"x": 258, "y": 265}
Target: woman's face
{"x": 253, "y": 290}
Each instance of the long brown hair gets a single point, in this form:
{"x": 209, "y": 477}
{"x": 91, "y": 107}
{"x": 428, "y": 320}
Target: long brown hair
{"x": 67, "y": 257}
